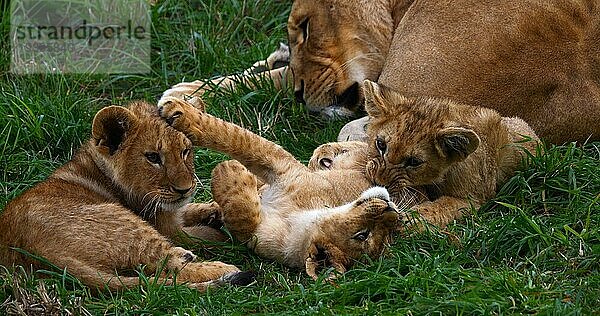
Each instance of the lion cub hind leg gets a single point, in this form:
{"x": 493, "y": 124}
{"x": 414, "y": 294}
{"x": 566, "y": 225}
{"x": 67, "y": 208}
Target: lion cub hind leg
{"x": 234, "y": 188}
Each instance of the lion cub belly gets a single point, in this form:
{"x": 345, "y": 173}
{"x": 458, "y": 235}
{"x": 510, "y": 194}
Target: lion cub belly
{"x": 286, "y": 229}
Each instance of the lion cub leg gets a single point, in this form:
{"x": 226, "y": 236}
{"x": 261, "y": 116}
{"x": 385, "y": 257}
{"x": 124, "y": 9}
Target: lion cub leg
{"x": 207, "y": 214}
{"x": 234, "y": 189}
{"x": 149, "y": 249}
{"x": 202, "y": 221}
{"x": 442, "y": 211}
{"x": 262, "y": 157}
{"x": 274, "y": 69}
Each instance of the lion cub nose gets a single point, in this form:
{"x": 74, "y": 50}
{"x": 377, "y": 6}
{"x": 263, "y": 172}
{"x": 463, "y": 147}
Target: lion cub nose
{"x": 181, "y": 191}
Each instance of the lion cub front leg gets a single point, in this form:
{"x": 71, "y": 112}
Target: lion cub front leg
{"x": 262, "y": 157}
{"x": 274, "y": 69}
{"x": 442, "y": 211}
{"x": 234, "y": 188}
{"x": 206, "y": 214}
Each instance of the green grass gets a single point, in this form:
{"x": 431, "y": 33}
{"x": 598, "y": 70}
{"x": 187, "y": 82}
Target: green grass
{"x": 535, "y": 249}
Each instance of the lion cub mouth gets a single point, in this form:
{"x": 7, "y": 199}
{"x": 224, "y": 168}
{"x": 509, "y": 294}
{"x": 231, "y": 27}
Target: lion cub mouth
{"x": 174, "y": 204}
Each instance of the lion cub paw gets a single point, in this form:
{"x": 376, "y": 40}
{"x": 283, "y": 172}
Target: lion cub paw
{"x": 179, "y": 114}
{"x": 187, "y": 91}
{"x": 179, "y": 257}
{"x": 375, "y": 193}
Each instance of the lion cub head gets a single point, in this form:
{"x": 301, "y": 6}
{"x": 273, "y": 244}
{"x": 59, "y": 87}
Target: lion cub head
{"x": 334, "y": 46}
{"x": 414, "y": 141}
{"x": 149, "y": 162}
{"x": 363, "y": 227}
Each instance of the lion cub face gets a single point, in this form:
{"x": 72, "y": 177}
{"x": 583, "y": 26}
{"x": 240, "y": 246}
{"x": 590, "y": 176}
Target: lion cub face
{"x": 362, "y": 227}
{"x": 151, "y": 162}
{"x": 334, "y": 46}
{"x": 413, "y": 140}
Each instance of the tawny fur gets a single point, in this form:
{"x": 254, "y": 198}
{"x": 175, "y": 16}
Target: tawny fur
{"x": 110, "y": 209}
{"x": 302, "y": 218}
{"x": 458, "y": 155}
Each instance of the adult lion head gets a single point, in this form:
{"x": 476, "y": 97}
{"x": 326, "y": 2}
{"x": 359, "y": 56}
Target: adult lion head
{"x": 335, "y": 45}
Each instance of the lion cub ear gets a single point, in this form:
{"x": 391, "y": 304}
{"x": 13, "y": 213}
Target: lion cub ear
{"x": 381, "y": 101}
{"x": 110, "y": 126}
{"x": 375, "y": 103}
{"x": 456, "y": 143}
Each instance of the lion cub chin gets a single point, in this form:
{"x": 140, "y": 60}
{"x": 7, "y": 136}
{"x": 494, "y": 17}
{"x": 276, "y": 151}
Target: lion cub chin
{"x": 458, "y": 155}
{"x": 299, "y": 217}
{"x": 83, "y": 217}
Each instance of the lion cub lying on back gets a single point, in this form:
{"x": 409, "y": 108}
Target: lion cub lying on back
{"x": 458, "y": 154}
{"x": 301, "y": 217}
{"x": 83, "y": 217}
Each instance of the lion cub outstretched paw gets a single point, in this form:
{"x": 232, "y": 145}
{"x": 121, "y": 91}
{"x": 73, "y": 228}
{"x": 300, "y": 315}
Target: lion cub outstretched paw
{"x": 180, "y": 115}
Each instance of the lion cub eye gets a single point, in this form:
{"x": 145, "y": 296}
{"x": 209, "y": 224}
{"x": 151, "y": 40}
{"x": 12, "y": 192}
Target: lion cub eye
{"x": 153, "y": 157}
{"x": 362, "y": 235}
{"x": 413, "y": 162}
{"x": 304, "y": 27}
{"x": 381, "y": 146}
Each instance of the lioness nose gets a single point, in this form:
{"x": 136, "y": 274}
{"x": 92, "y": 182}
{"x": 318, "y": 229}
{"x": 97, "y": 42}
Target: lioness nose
{"x": 181, "y": 191}
{"x": 299, "y": 94}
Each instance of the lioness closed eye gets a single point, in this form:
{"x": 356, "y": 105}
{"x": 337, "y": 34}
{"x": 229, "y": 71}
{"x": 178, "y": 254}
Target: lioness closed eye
{"x": 301, "y": 218}
{"x": 83, "y": 217}
{"x": 460, "y": 155}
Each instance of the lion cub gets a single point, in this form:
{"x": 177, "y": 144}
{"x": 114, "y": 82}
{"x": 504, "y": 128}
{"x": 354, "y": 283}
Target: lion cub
{"x": 458, "y": 154}
{"x": 83, "y": 217}
{"x": 301, "y": 218}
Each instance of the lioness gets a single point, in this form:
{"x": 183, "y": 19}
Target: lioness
{"x": 83, "y": 217}
{"x": 301, "y": 218}
{"x": 535, "y": 59}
